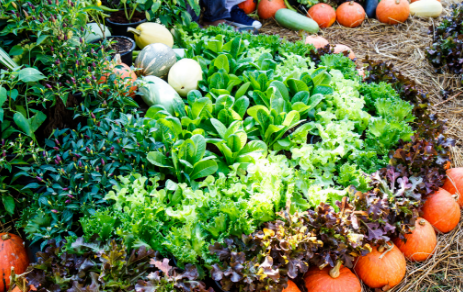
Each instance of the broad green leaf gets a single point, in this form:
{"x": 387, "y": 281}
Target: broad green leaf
{"x": 204, "y": 168}
{"x": 296, "y": 85}
{"x": 300, "y": 96}
{"x": 219, "y": 127}
{"x": 241, "y": 105}
{"x": 8, "y": 203}
{"x": 215, "y": 46}
{"x": 37, "y": 120}
{"x": 271, "y": 129}
{"x": 233, "y": 128}
{"x": 280, "y": 89}
{"x": 263, "y": 118}
{"x": 252, "y": 111}
{"x": 322, "y": 89}
{"x": 237, "y": 47}
{"x": 321, "y": 79}
{"x": 158, "y": 159}
{"x": 221, "y": 62}
{"x": 291, "y": 118}
{"x": 254, "y": 146}
{"x": 16, "y": 50}
{"x": 41, "y": 39}
{"x": 23, "y": 124}
{"x": 234, "y": 143}
{"x": 200, "y": 147}
{"x": 30, "y": 75}
{"x": 242, "y": 90}
{"x": 186, "y": 163}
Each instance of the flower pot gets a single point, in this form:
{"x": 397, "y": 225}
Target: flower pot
{"x": 124, "y": 47}
{"x": 119, "y": 28}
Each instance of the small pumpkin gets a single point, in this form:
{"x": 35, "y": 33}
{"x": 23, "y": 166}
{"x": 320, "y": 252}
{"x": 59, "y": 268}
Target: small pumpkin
{"x": 419, "y": 244}
{"x": 384, "y": 267}
{"x": 155, "y": 91}
{"x": 267, "y": 8}
{"x": 155, "y": 59}
{"x": 150, "y": 33}
{"x": 350, "y": 14}
{"x": 123, "y": 72}
{"x": 317, "y": 41}
{"x": 426, "y": 8}
{"x": 393, "y": 11}
{"x": 292, "y": 287}
{"x": 336, "y": 279}
{"x": 12, "y": 254}
{"x": 442, "y": 211}
{"x": 184, "y": 76}
{"x": 454, "y": 183}
{"x": 342, "y": 48}
{"x": 323, "y": 14}
{"x": 248, "y": 6}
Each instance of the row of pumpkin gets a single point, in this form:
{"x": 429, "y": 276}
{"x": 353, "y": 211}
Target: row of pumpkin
{"x": 348, "y": 14}
{"x": 385, "y": 266}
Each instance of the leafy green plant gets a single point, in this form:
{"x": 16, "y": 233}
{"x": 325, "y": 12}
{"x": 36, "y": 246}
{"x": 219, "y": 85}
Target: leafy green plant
{"x": 77, "y": 168}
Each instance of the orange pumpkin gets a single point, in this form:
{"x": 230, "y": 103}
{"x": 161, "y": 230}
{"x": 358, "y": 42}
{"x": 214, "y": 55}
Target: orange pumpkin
{"x": 248, "y": 6}
{"x": 323, "y": 14}
{"x": 442, "y": 211}
{"x": 454, "y": 183}
{"x": 341, "y": 48}
{"x": 420, "y": 244}
{"x": 267, "y": 8}
{"x": 336, "y": 279}
{"x": 12, "y": 254}
{"x": 382, "y": 267}
{"x": 350, "y": 14}
{"x": 292, "y": 287}
{"x": 317, "y": 41}
{"x": 393, "y": 11}
{"x": 123, "y": 72}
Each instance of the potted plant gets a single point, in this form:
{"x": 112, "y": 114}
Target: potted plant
{"x": 127, "y": 16}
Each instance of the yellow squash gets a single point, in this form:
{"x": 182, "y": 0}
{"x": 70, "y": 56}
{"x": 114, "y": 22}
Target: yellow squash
{"x": 426, "y": 8}
{"x": 150, "y": 33}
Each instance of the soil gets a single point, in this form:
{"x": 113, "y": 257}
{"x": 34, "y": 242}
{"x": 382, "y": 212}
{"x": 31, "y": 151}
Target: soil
{"x": 119, "y": 17}
{"x": 121, "y": 46}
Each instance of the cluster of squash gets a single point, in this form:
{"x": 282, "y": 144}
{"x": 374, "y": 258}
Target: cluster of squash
{"x": 352, "y": 14}
{"x": 156, "y": 61}
{"x": 320, "y": 42}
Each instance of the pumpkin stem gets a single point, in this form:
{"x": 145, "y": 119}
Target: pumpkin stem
{"x": 334, "y": 272}
{"x": 388, "y": 249}
{"x": 397, "y": 1}
{"x": 351, "y": 3}
{"x": 422, "y": 222}
{"x": 6, "y": 236}
{"x": 117, "y": 59}
{"x": 134, "y": 31}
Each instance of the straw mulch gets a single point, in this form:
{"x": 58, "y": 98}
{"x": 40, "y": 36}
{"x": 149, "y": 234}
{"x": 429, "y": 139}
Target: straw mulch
{"x": 404, "y": 46}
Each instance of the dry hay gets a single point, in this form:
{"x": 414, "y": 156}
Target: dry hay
{"x": 404, "y": 46}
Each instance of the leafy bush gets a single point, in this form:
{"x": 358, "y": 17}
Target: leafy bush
{"x": 77, "y": 168}
{"x": 447, "y": 43}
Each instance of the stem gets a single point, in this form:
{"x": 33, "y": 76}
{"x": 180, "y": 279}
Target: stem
{"x": 6, "y": 236}
{"x": 134, "y": 31}
{"x": 289, "y": 6}
{"x": 388, "y": 249}
{"x": 25, "y": 97}
{"x": 351, "y": 3}
{"x": 133, "y": 11}
{"x": 334, "y": 272}
{"x": 125, "y": 10}
{"x": 422, "y": 222}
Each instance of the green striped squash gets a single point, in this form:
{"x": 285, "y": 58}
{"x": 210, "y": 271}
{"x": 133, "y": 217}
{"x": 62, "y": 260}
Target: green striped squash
{"x": 155, "y": 59}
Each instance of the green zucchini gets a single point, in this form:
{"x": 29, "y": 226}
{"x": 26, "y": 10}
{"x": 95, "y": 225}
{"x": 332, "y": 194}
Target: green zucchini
{"x": 293, "y": 20}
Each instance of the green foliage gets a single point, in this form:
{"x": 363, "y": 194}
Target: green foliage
{"x": 77, "y": 168}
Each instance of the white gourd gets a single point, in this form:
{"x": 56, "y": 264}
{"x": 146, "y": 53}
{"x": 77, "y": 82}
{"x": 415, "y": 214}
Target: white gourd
{"x": 426, "y": 8}
{"x": 185, "y": 75}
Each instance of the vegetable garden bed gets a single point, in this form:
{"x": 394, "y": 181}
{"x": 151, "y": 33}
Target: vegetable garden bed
{"x": 272, "y": 158}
